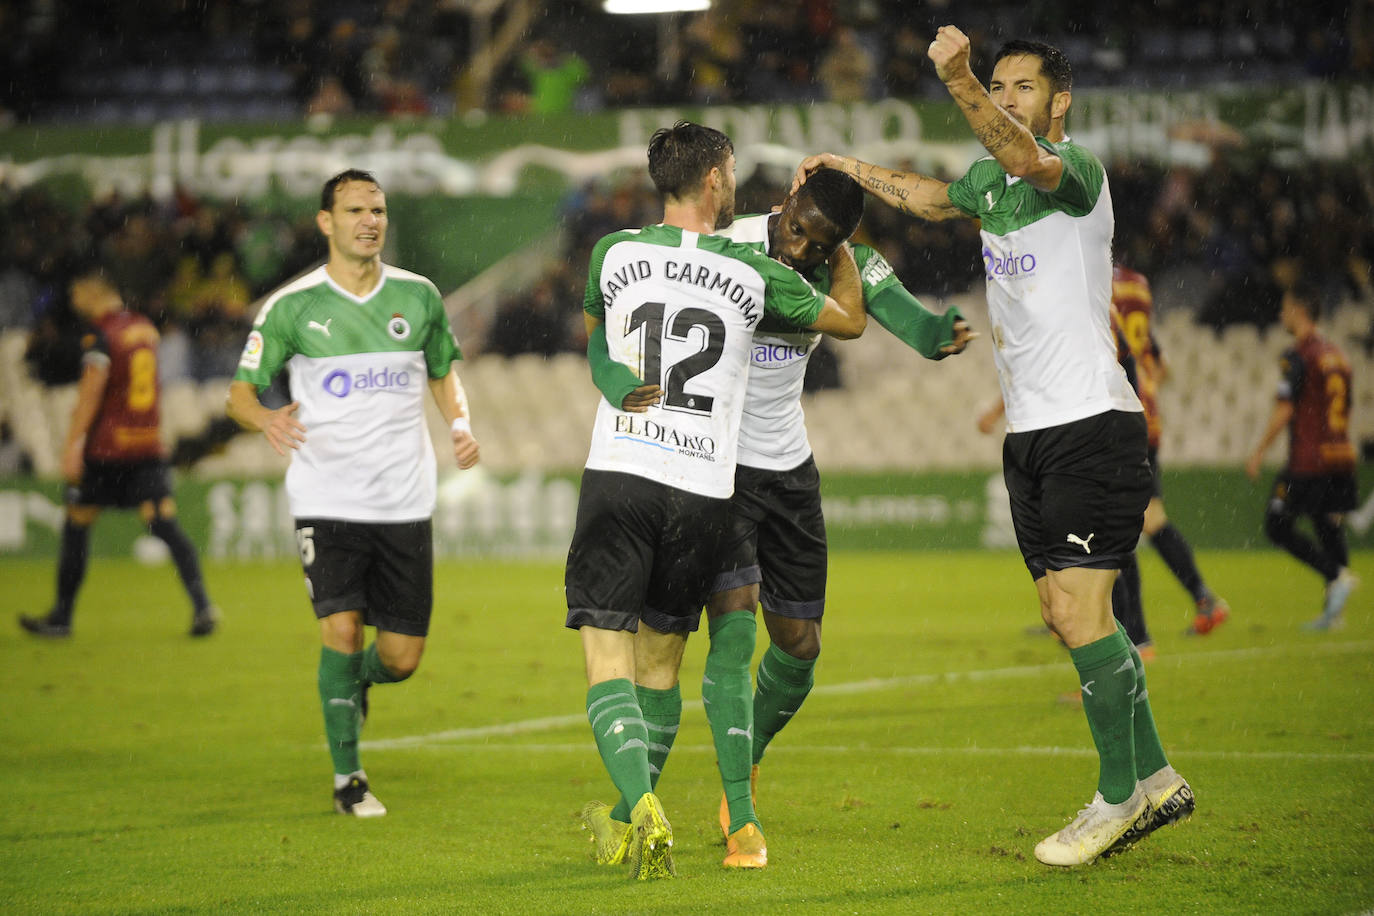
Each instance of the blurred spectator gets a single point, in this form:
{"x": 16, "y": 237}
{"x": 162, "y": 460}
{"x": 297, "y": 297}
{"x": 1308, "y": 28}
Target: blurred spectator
{"x": 554, "y": 76}
{"x": 907, "y": 69}
{"x": 531, "y": 322}
{"x": 846, "y": 69}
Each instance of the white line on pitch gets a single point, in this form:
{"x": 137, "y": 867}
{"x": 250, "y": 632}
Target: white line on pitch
{"x": 581, "y": 747}
{"x": 870, "y": 685}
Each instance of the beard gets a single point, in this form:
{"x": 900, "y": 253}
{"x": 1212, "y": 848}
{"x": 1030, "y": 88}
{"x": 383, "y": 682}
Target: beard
{"x": 726, "y": 215}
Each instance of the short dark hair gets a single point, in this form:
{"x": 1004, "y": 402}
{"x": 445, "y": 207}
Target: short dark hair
{"x": 1308, "y": 295}
{"x": 681, "y": 156}
{"x": 838, "y": 198}
{"x": 347, "y": 175}
{"x": 1053, "y": 64}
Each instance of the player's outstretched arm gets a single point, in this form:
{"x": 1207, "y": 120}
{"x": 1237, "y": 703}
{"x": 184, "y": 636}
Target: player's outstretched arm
{"x": 453, "y": 404}
{"x": 1009, "y": 141}
{"x": 280, "y": 426}
{"x": 913, "y": 194}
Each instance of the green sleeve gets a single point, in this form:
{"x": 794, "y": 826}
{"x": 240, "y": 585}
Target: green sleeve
{"x": 910, "y": 322}
{"x": 592, "y": 301}
{"x": 964, "y": 192}
{"x": 788, "y": 295}
{"x": 615, "y": 380}
{"x": 270, "y": 344}
{"x": 442, "y": 347}
{"x": 1081, "y": 182}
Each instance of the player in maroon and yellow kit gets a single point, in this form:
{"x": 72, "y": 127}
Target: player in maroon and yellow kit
{"x": 1319, "y": 479}
{"x": 1134, "y": 304}
{"x": 113, "y": 452}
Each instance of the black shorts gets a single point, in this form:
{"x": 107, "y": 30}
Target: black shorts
{"x": 120, "y": 484}
{"x": 1078, "y": 491}
{"x": 777, "y": 537}
{"x": 1156, "y": 475}
{"x": 384, "y": 569}
{"x": 1313, "y": 495}
{"x": 641, "y": 550}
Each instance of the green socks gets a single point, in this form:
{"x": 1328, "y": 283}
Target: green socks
{"x": 1106, "y": 675}
{"x": 783, "y": 684}
{"x": 662, "y": 711}
{"x": 621, "y": 736}
{"x": 726, "y": 692}
{"x": 340, "y": 694}
{"x": 373, "y": 671}
{"x": 1149, "y": 750}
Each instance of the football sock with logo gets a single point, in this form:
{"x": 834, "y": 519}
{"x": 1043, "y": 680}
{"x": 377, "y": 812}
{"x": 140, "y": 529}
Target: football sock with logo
{"x": 662, "y": 711}
{"x": 621, "y": 736}
{"x": 1127, "y": 607}
{"x": 184, "y": 556}
{"x": 71, "y": 569}
{"x": 340, "y": 693}
{"x": 1106, "y": 675}
{"x": 783, "y": 683}
{"x": 374, "y": 672}
{"x": 1149, "y": 750}
{"x": 1177, "y": 554}
{"x": 725, "y": 691}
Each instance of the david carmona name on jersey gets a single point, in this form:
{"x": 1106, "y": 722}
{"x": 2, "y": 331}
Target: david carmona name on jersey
{"x": 713, "y": 281}
{"x": 703, "y": 447}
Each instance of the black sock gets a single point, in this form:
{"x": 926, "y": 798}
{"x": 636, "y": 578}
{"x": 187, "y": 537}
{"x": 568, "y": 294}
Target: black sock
{"x": 1332, "y": 538}
{"x": 1281, "y": 530}
{"x": 184, "y": 556}
{"x": 1178, "y": 556}
{"x": 71, "y": 569}
{"x": 1127, "y": 605}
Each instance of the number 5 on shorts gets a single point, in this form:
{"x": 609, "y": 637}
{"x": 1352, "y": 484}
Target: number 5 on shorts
{"x": 305, "y": 543}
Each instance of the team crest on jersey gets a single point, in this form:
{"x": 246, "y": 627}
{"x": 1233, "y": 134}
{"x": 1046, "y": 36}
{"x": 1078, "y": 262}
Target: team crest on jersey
{"x": 398, "y": 327}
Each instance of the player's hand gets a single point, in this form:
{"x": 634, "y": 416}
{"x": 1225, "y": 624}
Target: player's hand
{"x": 466, "y": 451}
{"x": 73, "y": 463}
{"x": 811, "y": 164}
{"x": 642, "y": 398}
{"x": 283, "y": 430}
{"x": 950, "y": 54}
{"x": 1252, "y": 467}
{"x": 962, "y": 335}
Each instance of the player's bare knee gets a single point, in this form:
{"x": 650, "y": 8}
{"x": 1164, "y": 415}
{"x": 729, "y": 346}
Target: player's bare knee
{"x": 798, "y": 638}
{"x": 342, "y": 632}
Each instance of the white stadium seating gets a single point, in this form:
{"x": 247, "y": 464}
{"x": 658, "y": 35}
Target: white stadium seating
{"x": 896, "y": 410}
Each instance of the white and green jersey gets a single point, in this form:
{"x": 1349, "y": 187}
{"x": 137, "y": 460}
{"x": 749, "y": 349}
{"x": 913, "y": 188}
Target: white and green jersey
{"x": 681, "y": 310}
{"x": 1048, "y": 260}
{"x": 359, "y": 368}
{"x": 772, "y": 433}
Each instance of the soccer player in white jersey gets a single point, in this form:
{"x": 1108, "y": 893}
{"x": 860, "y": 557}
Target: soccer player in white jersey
{"x": 677, "y": 306}
{"x": 1074, "y": 458}
{"x": 775, "y": 551}
{"x": 361, "y": 341}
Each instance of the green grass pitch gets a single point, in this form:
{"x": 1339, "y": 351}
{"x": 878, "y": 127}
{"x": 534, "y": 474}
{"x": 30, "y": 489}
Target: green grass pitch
{"x": 149, "y": 773}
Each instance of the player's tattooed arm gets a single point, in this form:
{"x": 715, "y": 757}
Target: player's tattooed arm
{"x": 911, "y": 193}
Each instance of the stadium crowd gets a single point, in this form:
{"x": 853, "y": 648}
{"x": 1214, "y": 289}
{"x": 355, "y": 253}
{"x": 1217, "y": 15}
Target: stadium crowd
{"x": 217, "y": 59}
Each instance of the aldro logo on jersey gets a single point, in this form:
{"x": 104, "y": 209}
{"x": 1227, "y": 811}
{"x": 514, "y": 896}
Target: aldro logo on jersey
{"x": 341, "y": 383}
{"x": 398, "y": 327}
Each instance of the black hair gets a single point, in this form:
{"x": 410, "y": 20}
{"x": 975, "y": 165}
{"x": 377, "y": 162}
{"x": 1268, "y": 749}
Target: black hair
{"x": 347, "y": 175}
{"x": 681, "y": 156}
{"x": 1053, "y": 64}
{"x": 837, "y": 196}
{"x": 1308, "y": 295}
